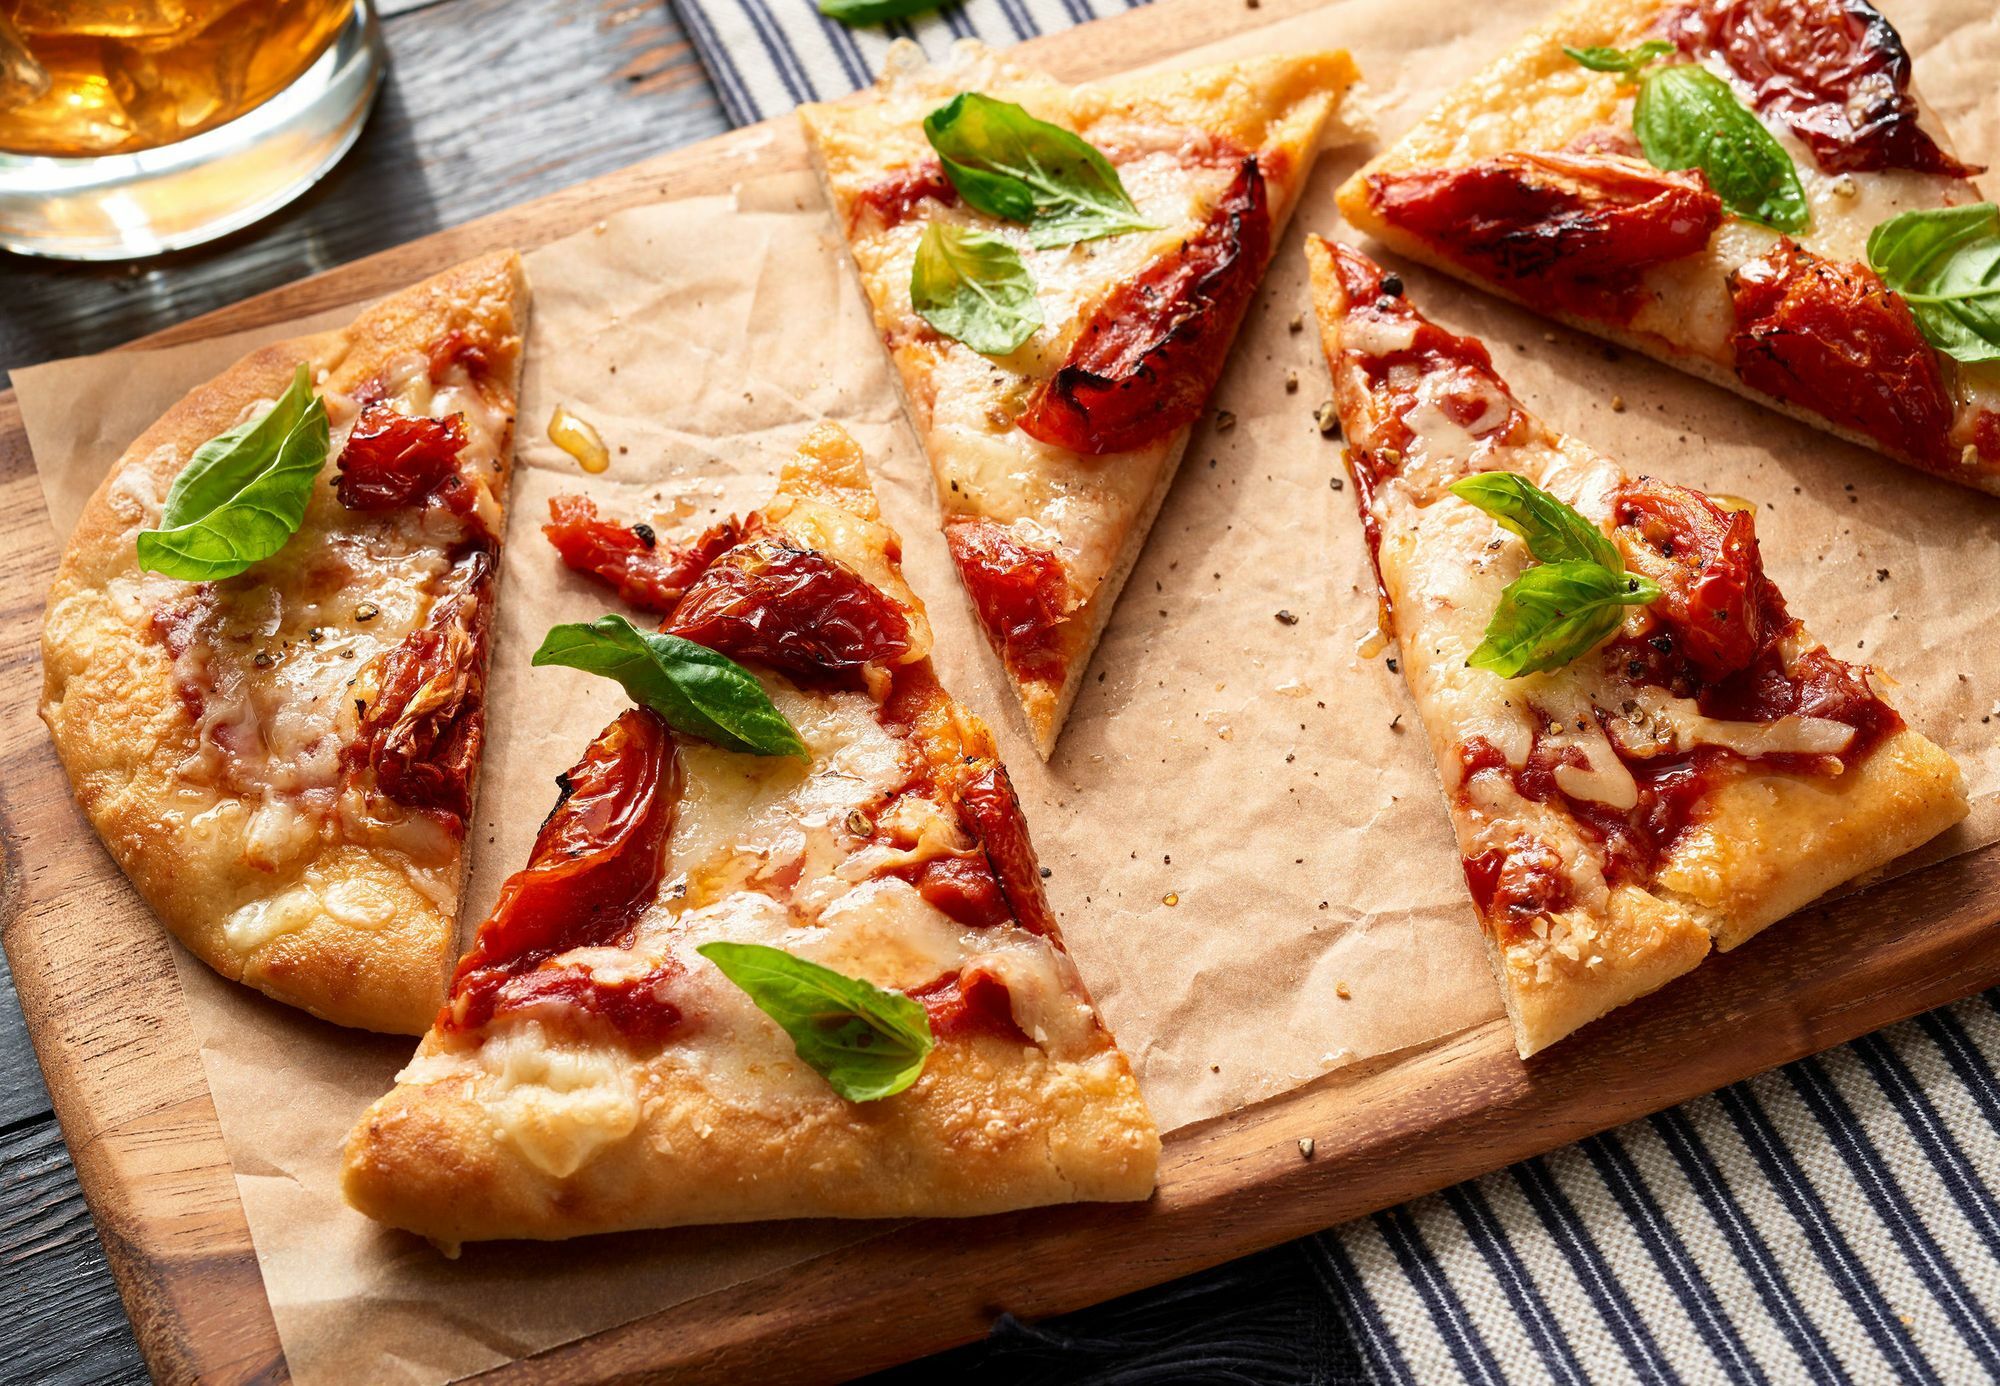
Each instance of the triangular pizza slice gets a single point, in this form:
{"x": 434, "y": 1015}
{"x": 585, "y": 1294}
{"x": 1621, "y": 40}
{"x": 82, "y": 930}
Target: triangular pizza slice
{"x": 265, "y": 649}
{"x": 794, "y": 962}
{"x": 1642, "y": 749}
{"x": 1750, "y": 191}
{"x": 1058, "y": 273}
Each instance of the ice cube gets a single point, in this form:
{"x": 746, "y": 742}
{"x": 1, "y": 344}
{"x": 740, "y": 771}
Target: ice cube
{"x": 22, "y": 79}
{"x": 123, "y": 19}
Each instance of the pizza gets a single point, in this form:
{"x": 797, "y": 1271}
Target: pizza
{"x": 787, "y": 957}
{"x": 1644, "y": 753}
{"x": 1058, "y": 273}
{"x": 265, "y": 674}
{"x": 1750, "y": 190}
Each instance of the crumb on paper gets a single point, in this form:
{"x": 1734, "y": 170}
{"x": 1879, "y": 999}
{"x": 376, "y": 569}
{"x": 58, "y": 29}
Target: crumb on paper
{"x": 1305, "y": 1147}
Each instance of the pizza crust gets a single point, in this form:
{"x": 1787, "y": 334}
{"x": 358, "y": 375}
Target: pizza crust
{"x": 124, "y": 736}
{"x": 989, "y": 1126}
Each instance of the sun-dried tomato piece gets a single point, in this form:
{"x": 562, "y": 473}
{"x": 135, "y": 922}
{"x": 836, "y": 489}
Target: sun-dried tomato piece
{"x": 1572, "y": 230}
{"x": 596, "y": 865}
{"x": 1516, "y": 885}
{"x": 638, "y": 1006}
{"x": 993, "y": 813}
{"x": 423, "y": 731}
{"x": 1147, "y": 359}
{"x": 1708, "y": 567}
{"x": 1019, "y": 590}
{"x": 1986, "y": 435}
{"x": 792, "y": 608}
{"x": 963, "y": 888}
{"x": 630, "y": 559}
{"x": 393, "y": 459}
{"x": 1834, "y": 72}
{"x": 1831, "y": 338}
{"x": 895, "y": 197}
{"x": 969, "y": 1002}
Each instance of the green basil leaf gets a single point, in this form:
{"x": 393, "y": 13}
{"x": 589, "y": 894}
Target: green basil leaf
{"x": 866, "y": 1042}
{"x": 854, "y": 13}
{"x": 1555, "y": 612}
{"x": 973, "y": 287}
{"x": 1555, "y": 533}
{"x": 1008, "y": 164}
{"x": 697, "y": 690}
{"x": 1626, "y": 61}
{"x": 243, "y": 493}
{"x": 1945, "y": 263}
{"x": 1687, "y": 117}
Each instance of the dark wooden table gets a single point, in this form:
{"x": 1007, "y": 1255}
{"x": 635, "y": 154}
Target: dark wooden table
{"x": 490, "y": 103}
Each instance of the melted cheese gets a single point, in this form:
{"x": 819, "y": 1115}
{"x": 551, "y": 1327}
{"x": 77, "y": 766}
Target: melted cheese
{"x": 558, "y": 1104}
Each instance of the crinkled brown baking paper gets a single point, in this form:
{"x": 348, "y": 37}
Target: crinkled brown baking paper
{"x": 1236, "y": 822}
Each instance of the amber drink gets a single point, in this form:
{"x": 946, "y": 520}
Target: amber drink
{"x": 133, "y": 126}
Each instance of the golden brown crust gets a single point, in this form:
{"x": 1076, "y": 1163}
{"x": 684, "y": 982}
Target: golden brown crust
{"x": 512, "y": 1133}
{"x": 1276, "y": 106}
{"x": 989, "y": 1126}
{"x": 131, "y": 747}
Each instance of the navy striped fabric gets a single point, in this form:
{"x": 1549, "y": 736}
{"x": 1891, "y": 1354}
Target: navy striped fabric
{"x": 1832, "y": 1221}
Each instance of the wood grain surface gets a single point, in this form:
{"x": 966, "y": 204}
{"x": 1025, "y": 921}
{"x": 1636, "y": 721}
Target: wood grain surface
{"x": 115, "y": 1044}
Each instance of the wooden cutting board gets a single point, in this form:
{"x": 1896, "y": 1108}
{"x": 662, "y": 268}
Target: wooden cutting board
{"x": 97, "y": 986}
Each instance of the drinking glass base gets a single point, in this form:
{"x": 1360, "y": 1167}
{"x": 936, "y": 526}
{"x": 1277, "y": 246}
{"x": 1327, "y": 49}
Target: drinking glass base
{"x": 124, "y": 206}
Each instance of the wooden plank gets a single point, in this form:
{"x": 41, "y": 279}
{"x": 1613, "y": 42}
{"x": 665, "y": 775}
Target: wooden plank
{"x": 124, "y": 1080}
{"x": 60, "y": 1326}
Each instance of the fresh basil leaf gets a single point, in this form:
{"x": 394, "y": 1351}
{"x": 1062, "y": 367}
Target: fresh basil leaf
{"x": 243, "y": 493}
{"x": 697, "y": 690}
{"x": 1008, "y": 164}
{"x": 973, "y": 287}
{"x": 1555, "y": 612}
{"x": 1945, "y": 263}
{"x": 855, "y": 13}
{"x": 1555, "y": 533}
{"x": 866, "y": 1042}
{"x": 1626, "y": 61}
{"x": 1687, "y": 117}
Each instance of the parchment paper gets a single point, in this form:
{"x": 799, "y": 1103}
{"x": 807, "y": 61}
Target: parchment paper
{"x": 1241, "y": 819}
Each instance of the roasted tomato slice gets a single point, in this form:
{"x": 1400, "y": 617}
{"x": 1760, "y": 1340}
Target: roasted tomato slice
{"x": 1710, "y": 573}
{"x": 1150, "y": 354}
{"x": 963, "y": 888}
{"x": 993, "y": 812}
{"x": 1573, "y": 229}
{"x": 969, "y": 1002}
{"x": 1831, "y": 338}
{"x": 792, "y": 608}
{"x": 596, "y": 865}
{"x": 892, "y": 199}
{"x": 1834, "y": 72}
{"x": 393, "y": 459}
{"x": 630, "y": 559}
{"x": 1018, "y": 589}
{"x": 422, "y": 732}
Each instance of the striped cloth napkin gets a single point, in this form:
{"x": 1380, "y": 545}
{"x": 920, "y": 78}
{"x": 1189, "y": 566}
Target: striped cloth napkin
{"x": 1836, "y": 1220}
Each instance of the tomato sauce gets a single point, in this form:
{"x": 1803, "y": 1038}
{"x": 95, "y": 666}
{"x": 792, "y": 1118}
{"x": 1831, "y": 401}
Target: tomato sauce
{"x": 897, "y": 197}
{"x": 1832, "y": 338}
{"x": 1146, "y": 361}
{"x": 1833, "y": 72}
{"x": 969, "y": 1002}
{"x": 630, "y": 559}
{"x": 596, "y": 865}
{"x": 1571, "y": 231}
{"x": 963, "y": 888}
